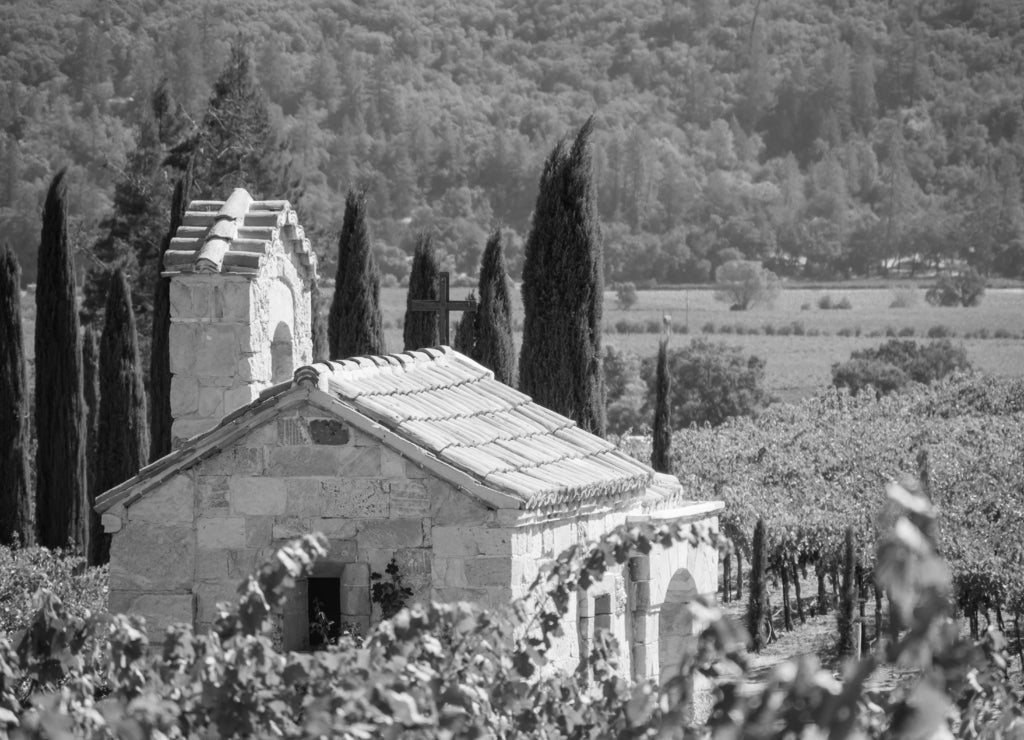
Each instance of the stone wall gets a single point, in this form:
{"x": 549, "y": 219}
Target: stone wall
{"x": 228, "y": 333}
{"x": 629, "y": 601}
{"x": 186, "y": 546}
{"x": 604, "y": 605}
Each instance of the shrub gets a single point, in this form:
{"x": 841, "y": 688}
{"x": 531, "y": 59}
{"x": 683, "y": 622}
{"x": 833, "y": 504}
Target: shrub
{"x": 906, "y": 331}
{"x": 846, "y": 331}
{"x": 744, "y": 284}
{"x": 389, "y": 591}
{"x": 798, "y": 328}
{"x": 785, "y": 330}
{"x": 904, "y": 296}
{"x": 858, "y": 374}
{"x": 653, "y": 326}
{"x": 963, "y": 289}
{"x": 939, "y": 331}
{"x": 625, "y": 390}
{"x": 768, "y": 329}
{"x": 24, "y": 571}
{"x": 805, "y": 306}
{"x": 629, "y": 326}
{"x": 920, "y": 363}
{"x": 708, "y": 328}
{"x": 826, "y": 302}
{"x": 1002, "y": 334}
{"x": 710, "y": 383}
{"x": 625, "y": 295}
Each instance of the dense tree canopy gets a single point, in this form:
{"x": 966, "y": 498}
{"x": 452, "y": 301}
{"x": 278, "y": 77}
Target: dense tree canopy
{"x": 821, "y": 138}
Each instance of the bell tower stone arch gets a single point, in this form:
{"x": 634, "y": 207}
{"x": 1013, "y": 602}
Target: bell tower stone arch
{"x": 241, "y": 272}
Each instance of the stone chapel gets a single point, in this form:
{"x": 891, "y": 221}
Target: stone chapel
{"x": 420, "y": 456}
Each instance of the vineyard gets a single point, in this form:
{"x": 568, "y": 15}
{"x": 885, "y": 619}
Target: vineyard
{"x": 813, "y": 469}
{"x": 458, "y": 671}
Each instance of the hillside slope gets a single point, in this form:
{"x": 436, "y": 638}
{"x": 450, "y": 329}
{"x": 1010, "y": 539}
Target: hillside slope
{"x": 824, "y": 137}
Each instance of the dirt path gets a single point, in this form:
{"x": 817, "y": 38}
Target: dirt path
{"x": 816, "y": 637}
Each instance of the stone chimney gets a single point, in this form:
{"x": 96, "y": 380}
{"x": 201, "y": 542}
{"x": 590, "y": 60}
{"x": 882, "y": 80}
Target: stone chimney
{"x": 240, "y": 273}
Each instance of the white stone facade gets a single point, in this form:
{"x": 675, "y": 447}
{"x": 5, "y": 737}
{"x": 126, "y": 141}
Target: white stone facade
{"x": 231, "y": 337}
{"x": 187, "y": 544}
{"x": 325, "y": 451}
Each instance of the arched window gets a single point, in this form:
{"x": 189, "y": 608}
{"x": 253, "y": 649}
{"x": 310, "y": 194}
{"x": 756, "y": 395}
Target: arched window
{"x": 281, "y": 354}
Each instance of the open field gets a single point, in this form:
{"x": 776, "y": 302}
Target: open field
{"x": 798, "y": 365}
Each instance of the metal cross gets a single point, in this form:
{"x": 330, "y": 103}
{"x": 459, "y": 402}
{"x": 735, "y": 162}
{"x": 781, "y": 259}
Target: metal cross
{"x": 442, "y": 307}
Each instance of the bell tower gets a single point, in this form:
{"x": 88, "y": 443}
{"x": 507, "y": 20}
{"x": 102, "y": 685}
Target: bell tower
{"x": 241, "y": 272}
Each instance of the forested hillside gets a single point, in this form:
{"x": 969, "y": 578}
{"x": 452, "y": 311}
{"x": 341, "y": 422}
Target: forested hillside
{"x": 822, "y": 136}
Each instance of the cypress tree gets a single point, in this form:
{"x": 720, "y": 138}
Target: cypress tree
{"x": 160, "y": 417}
{"x": 61, "y": 493}
{"x": 91, "y": 386}
{"x": 757, "y": 592}
{"x": 661, "y": 451}
{"x": 495, "y": 347}
{"x": 563, "y": 285}
{"x": 420, "y": 329}
{"x": 848, "y": 597}
{"x": 123, "y": 439}
{"x": 318, "y": 324}
{"x": 16, "y": 521}
{"x": 356, "y": 327}
{"x": 465, "y": 332}
{"x": 130, "y": 236}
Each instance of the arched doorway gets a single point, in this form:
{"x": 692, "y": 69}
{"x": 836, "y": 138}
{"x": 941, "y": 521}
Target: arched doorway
{"x": 675, "y": 624}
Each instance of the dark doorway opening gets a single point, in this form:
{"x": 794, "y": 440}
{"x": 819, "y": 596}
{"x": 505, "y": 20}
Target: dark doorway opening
{"x": 324, "y": 604}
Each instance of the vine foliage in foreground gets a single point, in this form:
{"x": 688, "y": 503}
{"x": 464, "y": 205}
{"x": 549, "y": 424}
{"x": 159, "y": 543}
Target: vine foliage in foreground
{"x": 455, "y": 670}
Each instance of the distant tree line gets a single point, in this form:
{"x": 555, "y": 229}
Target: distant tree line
{"x": 862, "y": 138}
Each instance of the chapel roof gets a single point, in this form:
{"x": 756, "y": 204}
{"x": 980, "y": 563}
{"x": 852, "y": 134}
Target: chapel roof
{"x": 446, "y": 412}
{"x": 452, "y": 407}
{"x": 237, "y": 235}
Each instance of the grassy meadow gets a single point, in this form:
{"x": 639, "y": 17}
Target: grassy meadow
{"x": 797, "y": 365}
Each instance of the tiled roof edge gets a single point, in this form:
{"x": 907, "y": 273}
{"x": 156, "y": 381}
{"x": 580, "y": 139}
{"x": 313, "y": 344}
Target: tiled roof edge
{"x": 213, "y": 227}
{"x": 493, "y": 498}
{"x": 196, "y": 449}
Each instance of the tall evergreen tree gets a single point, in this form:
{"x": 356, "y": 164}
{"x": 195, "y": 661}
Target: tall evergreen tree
{"x": 495, "y": 347}
{"x": 464, "y": 340}
{"x": 846, "y": 613}
{"x": 16, "y": 521}
{"x": 235, "y": 145}
{"x": 661, "y": 451}
{"x": 420, "y": 328}
{"x": 131, "y": 235}
{"x": 757, "y": 593}
{"x": 160, "y": 417}
{"x": 123, "y": 439}
{"x": 356, "y": 327}
{"x": 563, "y": 284}
{"x": 91, "y": 386}
{"x": 318, "y": 327}
{"x": 61, "y": 494}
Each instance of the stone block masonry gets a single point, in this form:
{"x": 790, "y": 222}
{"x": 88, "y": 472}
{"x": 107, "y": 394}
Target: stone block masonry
{"x": 230, "y": 337}
{"x": 297, "y": 473}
